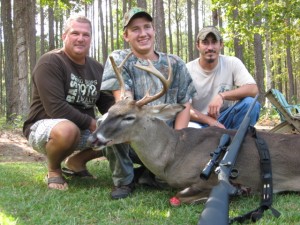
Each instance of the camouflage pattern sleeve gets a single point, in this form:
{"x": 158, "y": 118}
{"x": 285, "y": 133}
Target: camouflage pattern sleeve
{"x": 109, "y": 79}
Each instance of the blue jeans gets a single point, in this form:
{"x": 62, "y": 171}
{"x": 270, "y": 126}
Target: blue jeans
{"x": 233, "y": 116}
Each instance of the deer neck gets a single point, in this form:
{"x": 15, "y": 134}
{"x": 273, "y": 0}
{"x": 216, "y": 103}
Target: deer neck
{"x": 153, "y": 144}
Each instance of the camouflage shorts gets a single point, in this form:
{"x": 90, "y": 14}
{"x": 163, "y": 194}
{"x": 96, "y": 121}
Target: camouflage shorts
{"x": 40, "y": 134}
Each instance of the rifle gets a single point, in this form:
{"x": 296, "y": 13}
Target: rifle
{"x": 216, "y": 209}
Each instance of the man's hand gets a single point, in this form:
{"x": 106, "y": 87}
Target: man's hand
{"x": 215, "y": 106}
{"x": 216, "y": 123}
{"x": 92, "y": 126}
{"x": 206, "y": 119}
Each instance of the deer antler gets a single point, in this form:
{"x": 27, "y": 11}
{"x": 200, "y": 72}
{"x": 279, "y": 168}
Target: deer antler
{"x": 151, "y": 69}
{"x": 166, "y": 82}
{"x": 118, "y": 70}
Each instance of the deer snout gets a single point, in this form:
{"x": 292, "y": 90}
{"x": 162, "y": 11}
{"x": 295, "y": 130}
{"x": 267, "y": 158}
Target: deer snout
{"x": 97, "y": 140}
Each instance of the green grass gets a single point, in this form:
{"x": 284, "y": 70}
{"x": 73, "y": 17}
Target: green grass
{"x": 25, "y": 199}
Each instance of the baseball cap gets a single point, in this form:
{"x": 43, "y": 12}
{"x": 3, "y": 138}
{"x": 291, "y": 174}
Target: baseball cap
{"x": 135, "y": 12}
{"x": 207, "y": 30}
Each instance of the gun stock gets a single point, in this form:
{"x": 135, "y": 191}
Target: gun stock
{"x": 217, "y": 206}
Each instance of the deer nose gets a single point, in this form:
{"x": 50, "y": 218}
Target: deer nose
{"x": 95, "y": 140}
{"x": 92, "y": 139}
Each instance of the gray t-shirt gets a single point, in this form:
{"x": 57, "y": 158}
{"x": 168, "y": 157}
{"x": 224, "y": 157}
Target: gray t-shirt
{"x": 138, "y": 81}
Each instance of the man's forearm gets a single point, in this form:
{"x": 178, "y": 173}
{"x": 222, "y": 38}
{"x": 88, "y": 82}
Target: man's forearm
{"x": 183, "y": 118}
{"x": 199, "y": 117}
{"x": 248, "y": 90}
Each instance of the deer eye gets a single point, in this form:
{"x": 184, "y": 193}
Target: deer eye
{"x": 129, "y": 118}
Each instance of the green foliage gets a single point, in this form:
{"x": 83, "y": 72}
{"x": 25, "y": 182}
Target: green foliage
{"x": 17, "y": 122}
{"x": 269, "y": 114}
{"x": 75, "y": 5}
{"x": 273, "y": 16}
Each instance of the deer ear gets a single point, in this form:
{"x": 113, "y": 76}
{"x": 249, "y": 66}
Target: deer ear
{"x": 165, "y": 111}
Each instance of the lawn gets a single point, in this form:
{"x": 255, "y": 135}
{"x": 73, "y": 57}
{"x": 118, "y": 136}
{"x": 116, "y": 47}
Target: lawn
{"x": 25, "y": 199}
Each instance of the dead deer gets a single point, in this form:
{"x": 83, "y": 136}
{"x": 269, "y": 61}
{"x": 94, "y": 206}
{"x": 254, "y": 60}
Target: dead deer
{"x": 178, "y": 156}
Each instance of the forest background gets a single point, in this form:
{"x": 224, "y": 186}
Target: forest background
{"x": 264, "y": 34}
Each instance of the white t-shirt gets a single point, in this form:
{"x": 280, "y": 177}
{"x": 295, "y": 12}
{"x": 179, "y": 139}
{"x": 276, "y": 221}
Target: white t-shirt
{"x": 228, "y": 74}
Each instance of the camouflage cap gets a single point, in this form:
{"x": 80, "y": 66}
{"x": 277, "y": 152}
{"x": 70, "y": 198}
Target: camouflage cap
{"x": 135, "y": 12}
{"x": 207, "y": 30}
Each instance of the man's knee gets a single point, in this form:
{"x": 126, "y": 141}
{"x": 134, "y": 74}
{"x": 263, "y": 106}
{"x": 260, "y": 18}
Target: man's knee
{"x": 65, "y": 134}
{"x": 247, "y": 102}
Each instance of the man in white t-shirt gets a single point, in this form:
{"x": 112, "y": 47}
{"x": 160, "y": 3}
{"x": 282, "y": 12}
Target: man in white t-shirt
{"x": 225, "y": 88}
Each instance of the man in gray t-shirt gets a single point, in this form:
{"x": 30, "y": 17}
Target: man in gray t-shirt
{"x": 225, "y": 88}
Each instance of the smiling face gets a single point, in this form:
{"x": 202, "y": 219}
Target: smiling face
{"x": 209, "y": 49}
{"x": 140, "y": 35}
{"x": 77, "y": 40}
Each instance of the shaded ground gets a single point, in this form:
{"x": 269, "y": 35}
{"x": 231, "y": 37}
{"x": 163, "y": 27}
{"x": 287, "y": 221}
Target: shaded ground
{"x": 14, "y": 146}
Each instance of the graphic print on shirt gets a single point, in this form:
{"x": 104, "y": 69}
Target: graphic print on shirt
{"x": 82, "y": 92}
{"x": 224, "y": 87}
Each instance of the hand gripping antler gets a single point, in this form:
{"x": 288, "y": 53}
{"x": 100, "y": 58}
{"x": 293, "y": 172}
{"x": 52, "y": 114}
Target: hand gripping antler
{"x": 151, "y": 69}
{"x": 166, "y": 83}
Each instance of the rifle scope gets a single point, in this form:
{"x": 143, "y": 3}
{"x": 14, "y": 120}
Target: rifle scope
{"x": 224, "y": 142}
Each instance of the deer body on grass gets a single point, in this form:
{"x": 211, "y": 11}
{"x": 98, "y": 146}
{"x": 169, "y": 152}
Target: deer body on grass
{"x": 178, "y": 156}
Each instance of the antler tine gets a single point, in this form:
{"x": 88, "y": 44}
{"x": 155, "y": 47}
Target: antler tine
{"x": 166, "y": 82}
{"x": 118, "y": 70}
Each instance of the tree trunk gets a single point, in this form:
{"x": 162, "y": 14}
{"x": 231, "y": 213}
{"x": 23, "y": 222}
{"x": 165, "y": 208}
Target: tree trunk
{"x": 11, "y": 104}
{"x": 125, "y": 44}
{"x": 102, "y": 32}
{"x": 117, "y": 9}
{"x": 190, "y": 31}
{"x": 2, "y": 105}
{"x": 160, "y": 27}
{"x": 170, "y": 27}
{"x": 196, "y": 8}
{"x": 31, "y": 40}
{"x": 20, "y": 26}
{"x": 259, "y": 60}
{"x": 142, "y": 4}
{"x": 215, "y": 17}
{"x": 111, "y": 27}
{"x": 177, "y": 19}
{"x": 238, "y": 48}
{"x": 42, "y": 18}
{"x": 289, "y": 65}
{"x": 51, "y": 28}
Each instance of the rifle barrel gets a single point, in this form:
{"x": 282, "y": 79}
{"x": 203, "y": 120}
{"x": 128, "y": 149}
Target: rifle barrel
{"x": 233, "y": 149}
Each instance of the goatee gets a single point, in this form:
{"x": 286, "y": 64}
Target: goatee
{"x": 210, "y": 60}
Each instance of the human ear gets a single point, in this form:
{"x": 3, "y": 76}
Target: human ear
{"x": 221, "y": 44}
{"x": 125, "y": 36}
